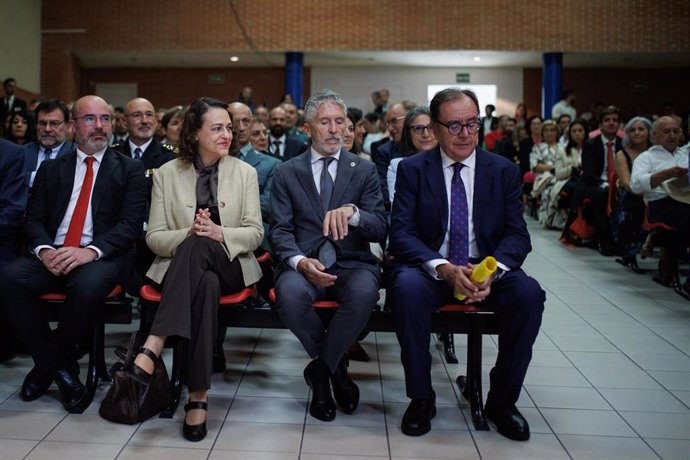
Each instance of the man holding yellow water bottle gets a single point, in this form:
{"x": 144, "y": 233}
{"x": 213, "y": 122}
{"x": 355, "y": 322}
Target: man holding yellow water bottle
{"x": 454, "y": 206}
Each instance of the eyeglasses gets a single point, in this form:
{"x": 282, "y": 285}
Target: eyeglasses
{"x": 90, "y": 120}
{"x": 419, "y": 129}
{"x": 395, "y": 120}
{"x": 52, "y": 123}
{"x": 140, "y": 115}
{"x": 455, "y": 127}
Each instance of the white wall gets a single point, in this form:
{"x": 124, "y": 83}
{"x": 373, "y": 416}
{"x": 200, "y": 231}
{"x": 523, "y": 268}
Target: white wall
{"x": 20, "y": 43}
{"x": 356, "y": 84}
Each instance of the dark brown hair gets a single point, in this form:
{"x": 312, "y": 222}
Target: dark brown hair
{"x": 194, "y": 120}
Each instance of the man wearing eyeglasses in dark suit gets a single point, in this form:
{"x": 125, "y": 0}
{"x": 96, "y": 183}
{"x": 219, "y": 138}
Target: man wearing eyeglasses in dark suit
{"x": 454, "y": 206}
{"x": 85, "y": 211}
{"x": 52, "y": 123}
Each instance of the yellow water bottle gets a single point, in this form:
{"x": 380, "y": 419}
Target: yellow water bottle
{"x": 480, "y": 273}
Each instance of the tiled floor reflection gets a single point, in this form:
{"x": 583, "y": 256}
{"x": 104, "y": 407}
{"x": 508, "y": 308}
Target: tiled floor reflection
{"x": 610, "y": 379}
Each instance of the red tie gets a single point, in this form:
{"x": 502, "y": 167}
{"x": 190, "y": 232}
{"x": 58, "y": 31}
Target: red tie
{"x": 610, "y": 165}
{"x": 76, "y": 224}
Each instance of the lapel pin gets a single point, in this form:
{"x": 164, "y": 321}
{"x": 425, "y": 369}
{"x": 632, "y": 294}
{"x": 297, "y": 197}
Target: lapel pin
{"x": 352, "y": 165}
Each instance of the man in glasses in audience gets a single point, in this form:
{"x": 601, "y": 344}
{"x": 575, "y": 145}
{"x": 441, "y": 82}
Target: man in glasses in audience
{"x": 140, "y": 144}
{"x": 383, "y": 151}
{"x": 85, "y": 211}
{"x": 454, "y": 206}
{"x": 52, "y": 124}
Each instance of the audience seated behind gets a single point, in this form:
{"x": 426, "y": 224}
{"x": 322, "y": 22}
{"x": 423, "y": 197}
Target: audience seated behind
{"x": 651, "y": 169}
{"x": 542, "y": 162}
{"x": 568, "y": 166}
{"x": 628, "y": 213}
{"x": 598, "y": 166}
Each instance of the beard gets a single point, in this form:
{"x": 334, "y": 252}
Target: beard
{"x": 89, "y": 144}
{"x": 277, "y": 131}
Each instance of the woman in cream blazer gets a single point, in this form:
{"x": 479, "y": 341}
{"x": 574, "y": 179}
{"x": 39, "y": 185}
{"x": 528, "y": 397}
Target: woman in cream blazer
{"x": 204, "y": 225}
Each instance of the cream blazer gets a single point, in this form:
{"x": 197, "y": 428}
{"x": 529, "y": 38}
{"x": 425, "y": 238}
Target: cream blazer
{"x": 173, "y": 207}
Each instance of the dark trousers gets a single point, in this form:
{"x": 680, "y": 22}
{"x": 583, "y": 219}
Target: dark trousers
{"x": 673, "y": 213}
{"x": 199, "y": 273}
{"x": 516, "y": 299}
{"x": 356, "y": 290}
{"x": 86, "y": 287}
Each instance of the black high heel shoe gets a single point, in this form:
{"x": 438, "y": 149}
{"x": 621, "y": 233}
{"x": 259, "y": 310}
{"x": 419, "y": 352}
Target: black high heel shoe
{"x": 139, "y": 374}
{"x": 194, "y": 433}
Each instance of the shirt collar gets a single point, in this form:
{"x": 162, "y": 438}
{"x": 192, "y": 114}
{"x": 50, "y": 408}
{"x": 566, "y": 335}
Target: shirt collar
{"x": 53, "y": 150}
{"x": 245, "y": 150}
{"x": 98, "y": 156}
{"x": 470, "y": 161}
{"x": 316, "y": 156}
{"x": 143, "y": 146}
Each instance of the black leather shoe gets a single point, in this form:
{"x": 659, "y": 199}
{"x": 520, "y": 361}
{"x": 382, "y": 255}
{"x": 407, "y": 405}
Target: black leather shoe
{"x": 35, "y": 385}
{"x": 194, "y": 433}
{"x": 345, "y": 391}
{"x": 219, "y": 364}
{"x": 417, "y": 418}
{"x": 317, "y": 375}
{"x": 509, "y": 422}
{"x": 71, "y": 390}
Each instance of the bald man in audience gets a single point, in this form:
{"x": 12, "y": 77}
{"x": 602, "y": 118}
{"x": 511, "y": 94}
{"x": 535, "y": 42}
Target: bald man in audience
{"x": 664, "y": 162}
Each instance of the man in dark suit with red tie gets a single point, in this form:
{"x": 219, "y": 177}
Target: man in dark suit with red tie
{"x": 455, "y": 205}
{"x": 598, "y": 170}
{"x": 85, "y": 211}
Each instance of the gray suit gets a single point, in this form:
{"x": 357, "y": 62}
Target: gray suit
{"x": 296, "y": 229}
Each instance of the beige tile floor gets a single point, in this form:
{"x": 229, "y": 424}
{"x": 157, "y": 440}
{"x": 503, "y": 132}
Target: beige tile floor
{"x": 610, "y": 379}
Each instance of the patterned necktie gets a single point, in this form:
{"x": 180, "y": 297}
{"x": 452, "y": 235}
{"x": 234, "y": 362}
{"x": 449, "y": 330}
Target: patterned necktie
{"x": 610, "y": 165}
{"x": 276, "y": 147}
{"x": 326, "y": 184}
{"x": 459, "y": 239}
{"x": 137, "y": 153}
{"x": 76, "y": 224}
{"x": 46, "y": 154}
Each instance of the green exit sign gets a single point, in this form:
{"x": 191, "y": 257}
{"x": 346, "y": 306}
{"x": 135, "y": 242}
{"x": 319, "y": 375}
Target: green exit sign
{"x": 462, "y": 78}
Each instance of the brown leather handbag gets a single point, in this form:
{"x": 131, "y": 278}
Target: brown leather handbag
{"x": 129, "y": 401}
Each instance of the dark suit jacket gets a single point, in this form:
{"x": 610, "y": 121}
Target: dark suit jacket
{"x": 382, "y": 156}
{"x": 296, "y": 226}
{"x": 265, "y": 166}
{"x": 155, "y": 156}
{"x": 31, "y": 156}
{"x": 118, "y": 203}
{"x": 420, "y": 210}
{"x": 13, "y": 196}
{"x": 593, "y": 157}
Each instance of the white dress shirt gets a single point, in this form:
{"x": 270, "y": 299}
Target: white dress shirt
{"x": 143, "y": 148}
{"x": 87, "y": 232}
{"x": 41, "y": 158}
{"x": 467, "y": 174}
{"x": 651, "y": 162}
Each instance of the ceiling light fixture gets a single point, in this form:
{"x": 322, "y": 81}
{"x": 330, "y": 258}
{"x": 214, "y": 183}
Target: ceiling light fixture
{"x": 234, "y": 59}
{"x": 476, "y": 59}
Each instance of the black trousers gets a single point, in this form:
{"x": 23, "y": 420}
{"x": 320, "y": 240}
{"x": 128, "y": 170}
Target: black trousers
{"x": 86, "y": 287}
{"x": 199, "y": 274}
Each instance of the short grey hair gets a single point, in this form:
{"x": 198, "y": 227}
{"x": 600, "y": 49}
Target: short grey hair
{"x": 629, "y": 125}
{"x": 324, "y": 96}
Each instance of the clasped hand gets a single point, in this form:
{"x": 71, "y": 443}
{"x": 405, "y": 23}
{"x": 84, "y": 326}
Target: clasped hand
{"x": 62, "y": 261}
{"x": 204, "y": 226}
{"x": 335, "y": 222}
{"x": 458, "y": 277}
